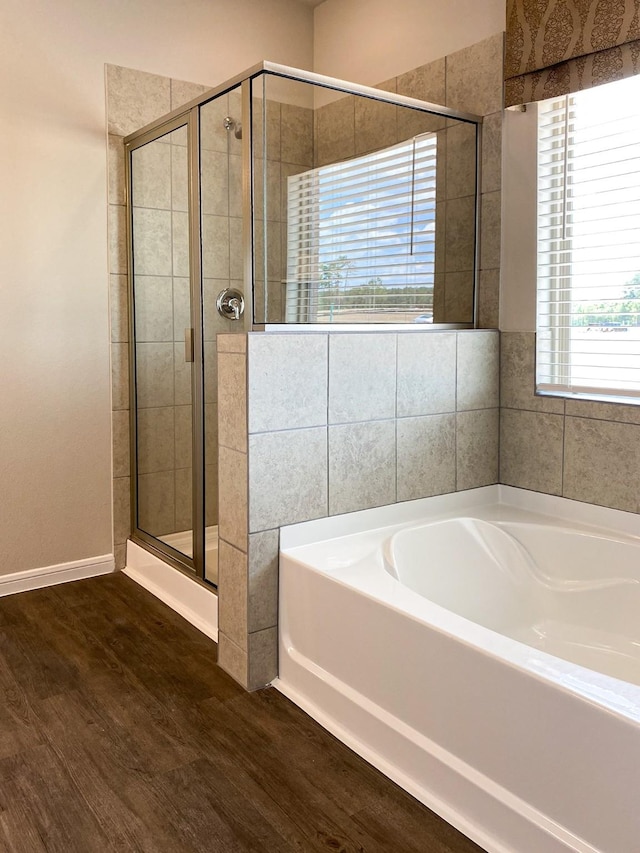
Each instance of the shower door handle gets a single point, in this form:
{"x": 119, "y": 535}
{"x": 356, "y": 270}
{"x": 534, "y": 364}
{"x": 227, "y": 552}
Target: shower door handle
{"x": 188, "y": 345}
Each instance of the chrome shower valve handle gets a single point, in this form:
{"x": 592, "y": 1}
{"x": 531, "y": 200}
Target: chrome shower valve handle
{"x": 230, "y": 303}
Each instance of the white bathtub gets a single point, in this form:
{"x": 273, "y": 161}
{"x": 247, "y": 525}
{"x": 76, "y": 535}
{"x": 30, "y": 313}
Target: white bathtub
{"x": 483, "y": 650}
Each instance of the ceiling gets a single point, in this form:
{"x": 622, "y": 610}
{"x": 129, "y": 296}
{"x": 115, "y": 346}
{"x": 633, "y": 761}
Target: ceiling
{"x": 311, "y": 3}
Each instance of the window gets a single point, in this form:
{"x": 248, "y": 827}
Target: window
{"x": 361, "y": 237}
{"x": 588, "y": 341}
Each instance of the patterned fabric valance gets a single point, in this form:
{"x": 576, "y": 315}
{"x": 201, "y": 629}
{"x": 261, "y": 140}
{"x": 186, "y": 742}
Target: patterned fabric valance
{"x": 554, "y": 47}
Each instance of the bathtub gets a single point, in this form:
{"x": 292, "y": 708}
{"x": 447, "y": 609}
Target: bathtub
{"x": 482, "y": 649}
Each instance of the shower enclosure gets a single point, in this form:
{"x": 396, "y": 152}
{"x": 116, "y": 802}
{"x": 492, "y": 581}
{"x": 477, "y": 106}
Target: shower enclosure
{"x": 279, "y": 199}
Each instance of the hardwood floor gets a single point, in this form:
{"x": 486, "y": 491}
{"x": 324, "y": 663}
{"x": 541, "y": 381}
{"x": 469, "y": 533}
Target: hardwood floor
{"x": 118, "y": 732}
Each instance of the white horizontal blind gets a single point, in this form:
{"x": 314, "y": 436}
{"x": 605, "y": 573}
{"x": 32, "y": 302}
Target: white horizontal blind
{"x": 361, "y": 236}
{"x": 588, "y": 341}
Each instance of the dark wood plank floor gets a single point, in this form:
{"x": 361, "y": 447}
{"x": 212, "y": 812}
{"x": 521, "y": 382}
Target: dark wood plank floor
{"x": 118, "y": 732}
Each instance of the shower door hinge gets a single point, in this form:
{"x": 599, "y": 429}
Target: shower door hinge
{"x": 188, "y": 345}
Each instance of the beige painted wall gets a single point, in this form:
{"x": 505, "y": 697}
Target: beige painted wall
{"x": 55, "y": 417}
{"x": 367, "y": 41}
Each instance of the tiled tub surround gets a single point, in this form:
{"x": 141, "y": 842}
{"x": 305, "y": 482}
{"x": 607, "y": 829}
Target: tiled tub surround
{"x": 588, "y": 451}
{"x": 333, "y": 423}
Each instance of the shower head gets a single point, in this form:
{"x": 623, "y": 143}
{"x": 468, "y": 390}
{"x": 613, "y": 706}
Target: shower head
{"x": 232, "y": 124}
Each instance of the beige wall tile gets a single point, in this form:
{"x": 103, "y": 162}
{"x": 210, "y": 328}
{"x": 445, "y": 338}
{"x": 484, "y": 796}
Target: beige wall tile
{"x": 517, "y": 378}
{"x": 210, "y": 372}
{"x": 232, "y": 400}
{"x": 153, "y": 308}
{"x": 181, "y": 376}
{"x": 135, "y": 98}
{"x": 426, "y": 456}
{"x": 474, "y": 77}
{"x": 236, "y": 249}
{"x": 335, "y": 131}
{"x": 120, "y": 557}
{"x": 426, "y": 373}
{"x": 181, "y": 308}
{"x": 232, "y": 342}
{"x": 179, "y": 176}
{"x": 233, "y": 659}
{"x": 214, "y": 186}
{"x": 531, "y": 450}
{"x": 232, "y": 510}
{"x": 460, "y": 231}
{"x": 151, "y": 175}
{"x": 232, "y": 593}
{"x": 361, "y": 465}
{"x": 412, "y": 123}
{"x": 182, "y": 92}
{"x": 155, "y": 440}
{"x": 297, "y": 135}
{"x": 180, "y": 243}
{"x": 211, "y": 434}
{"x": 489, "y": 299}
{"x": 490, "y": 231}
{"x": 211, "y": 494}
{"x": 362, "y": 377}
{"x": 458, "y": 297}
{"x": 272, "y": 195}
{"x": 121, "y": 509}
{"x": 263, "y": 658}
{"x": 183, "y": 436}
{"x": 375, "y": 125}
{"x": 477, "y": 448}
{"x": 184, "y": 498}
{"x": 602, "y": 463}
{"x": 215, "y": 247}
{"x": 116, "y": 170}
{"x": 263, "y": 580}
{"x": 603, "y": 411}
{"x": 390, "y": 85}
{"x": 155, "y": 373}
{"x": 287, "y": 477}
{"x": 478, "y": 375}
{"x": 121, "y": 455}
{"x": 461, "y": 160}
{"x": 119, "y": 306}
{"x": 117, "y": 239}
{"x": 152, "y": 235}
{"x": 156, "y": 503}
{"x": 287, "y": 381}
{"x": 492, "y": 152}
{"x": 427, "y": 83}
{"x": 120, "y": 376}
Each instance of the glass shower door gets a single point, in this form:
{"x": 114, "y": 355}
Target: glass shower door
{"x": 221, "y": 225}
{"x": 164, "y": 353}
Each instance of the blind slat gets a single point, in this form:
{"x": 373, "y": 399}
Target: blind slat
{"x": 361, "y": 233}
{"x": 588, "y": 340}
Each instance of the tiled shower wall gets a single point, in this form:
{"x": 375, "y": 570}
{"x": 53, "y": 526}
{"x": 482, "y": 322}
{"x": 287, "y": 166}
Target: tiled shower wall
{"x": 587, "y": 451}
{"x": 333, "y": 423}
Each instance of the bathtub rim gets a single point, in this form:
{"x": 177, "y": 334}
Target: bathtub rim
{"x": 606, "y": 692}
{"x": 360, "y": 521}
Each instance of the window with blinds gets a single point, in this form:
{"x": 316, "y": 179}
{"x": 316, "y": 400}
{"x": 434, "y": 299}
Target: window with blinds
{"x": 588, "y": 340}
{"x": 361, "y": 237}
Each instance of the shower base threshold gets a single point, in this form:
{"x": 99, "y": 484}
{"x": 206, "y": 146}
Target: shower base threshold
{"x": 194, "y": 601}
